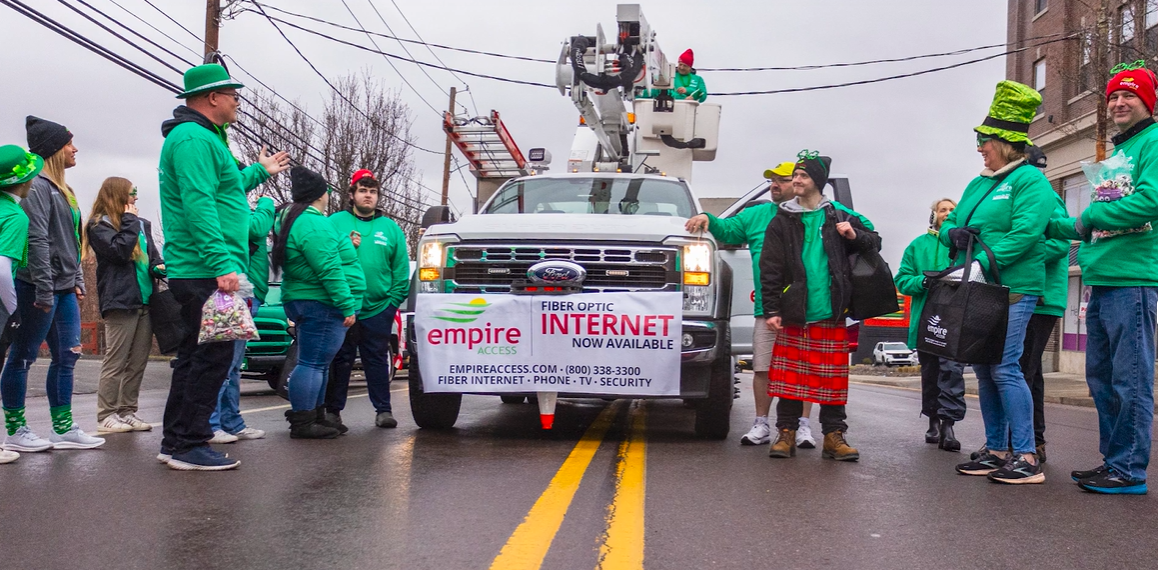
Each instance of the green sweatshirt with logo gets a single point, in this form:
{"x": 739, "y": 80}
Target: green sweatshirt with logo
{"x": 321, "y": 264}
{"x": 383, "y": 257}
{"x": 926, "y": 253}
{"x": 260, "y": 224}
{"x": 1012, "y": 219}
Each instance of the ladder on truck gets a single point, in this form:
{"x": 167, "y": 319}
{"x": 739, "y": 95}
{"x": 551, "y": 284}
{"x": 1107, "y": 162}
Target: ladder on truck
{"x": 490, "y": 150}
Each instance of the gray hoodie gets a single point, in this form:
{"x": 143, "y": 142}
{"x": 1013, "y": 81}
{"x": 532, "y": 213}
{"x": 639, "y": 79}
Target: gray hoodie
{"x": 53, "y": 252}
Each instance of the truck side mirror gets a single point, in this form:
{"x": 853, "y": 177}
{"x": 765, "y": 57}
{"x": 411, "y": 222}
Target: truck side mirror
{"x": 436, "y": 215}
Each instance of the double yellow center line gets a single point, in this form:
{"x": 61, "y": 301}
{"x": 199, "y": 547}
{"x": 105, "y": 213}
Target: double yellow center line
{"x": 622, "y": 541}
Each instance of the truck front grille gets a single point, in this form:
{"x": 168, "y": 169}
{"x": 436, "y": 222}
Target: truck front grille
{"x": 492, "y": 268}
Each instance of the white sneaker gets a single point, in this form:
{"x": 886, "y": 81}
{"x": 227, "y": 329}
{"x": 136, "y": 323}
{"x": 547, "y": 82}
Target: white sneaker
{"x": 163, "y": 457}
{"x": 113, "y": 424}
{"x": 250, "y": 433}
{"x": 220, "y": 436}
{"x": 137, "y": 423}
{"x": 26, "y": 441}
{"x": 75, "y": 438}
{"x": 759, "y": 434}
{"x": 8, "y": 457}
{"x": 804, "y": 437}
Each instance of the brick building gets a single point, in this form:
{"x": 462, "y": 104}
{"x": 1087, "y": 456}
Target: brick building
{"x": 1064, "y": 128}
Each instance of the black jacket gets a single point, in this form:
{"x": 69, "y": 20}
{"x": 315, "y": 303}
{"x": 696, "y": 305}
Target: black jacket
{"x": 784, "y": 286}
{"x": 116, "y": 271}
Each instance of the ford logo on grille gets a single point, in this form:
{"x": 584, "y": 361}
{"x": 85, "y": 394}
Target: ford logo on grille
{"x": 553, "y": 272}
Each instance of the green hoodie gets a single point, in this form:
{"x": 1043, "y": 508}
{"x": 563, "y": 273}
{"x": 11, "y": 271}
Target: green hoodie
{"x": 260, "y": 224}
{"x": 1012, "y": 219}
{"x": 383, "y": 258}
{"x": 321, "y": 264}
{"x": 926, "y": 253}
{"x": 202, "y": 194}
{"x": 692, "y": 83}
{"x": 1127, "y": 260}
{"x": 1057, "y": 269}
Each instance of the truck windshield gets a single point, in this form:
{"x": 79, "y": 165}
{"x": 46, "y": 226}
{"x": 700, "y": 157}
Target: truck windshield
{"x": 594, "y": 195}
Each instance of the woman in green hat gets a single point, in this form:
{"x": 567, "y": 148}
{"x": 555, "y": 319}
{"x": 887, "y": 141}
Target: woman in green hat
{"x": 17, "y": 169}
{"x": 1007, "y": 207}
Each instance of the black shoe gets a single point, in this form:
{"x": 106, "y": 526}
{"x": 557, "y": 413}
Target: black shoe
{"x": 977, "y": 454}
{"x": 385, "y": 420}
{"x": 948, "y": 440}
{"x": 984, "y": 465}
{"x": 1019, "y": 472}
{"x": 1041, "y": 453}
{"x": 933, "y": 435}
{"x": 331, "y": 420}
{"x": 1109, "y": 482}
{"x": 304, "y": 425}
{"x": 1078, "y": 476}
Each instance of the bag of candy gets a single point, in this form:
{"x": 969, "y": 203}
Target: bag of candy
{"x": 225, "y": 317}
{"x": 1111, "y": 180}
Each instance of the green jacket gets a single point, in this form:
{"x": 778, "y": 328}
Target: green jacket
{"x": 14, "y": 231}
{"x": 203, "y": 199}
{"x": 1012, "y": 219}
{"x": 383, "y": 258}
{"x": 691, "y": 82}
{"x": 260, "y": 224}
{"x": 926, "y": 253}
{"x": 1127, "y": 260}
{"x": 1057, "y": 269}
{"x": 320, "y": 264}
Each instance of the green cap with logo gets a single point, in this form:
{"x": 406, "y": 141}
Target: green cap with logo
{"x": 205, "y": 78}
{"x": 1013, "y": 108}
{"x": 18, "y": 166}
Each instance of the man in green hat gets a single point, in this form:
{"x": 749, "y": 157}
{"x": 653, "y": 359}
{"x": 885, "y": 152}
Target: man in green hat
{"x": 17, "y": 169}
{"x": 203, "y": 198}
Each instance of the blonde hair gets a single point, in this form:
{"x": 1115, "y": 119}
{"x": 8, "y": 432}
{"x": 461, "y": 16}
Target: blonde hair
{"x": 54, "y": 170}
{"x": 110, "y": 202}
{"x": 938, "y": 203}
{"x": 1007, "y": 151}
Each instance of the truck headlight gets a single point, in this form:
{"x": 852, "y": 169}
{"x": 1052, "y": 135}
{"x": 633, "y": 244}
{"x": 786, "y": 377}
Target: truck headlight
{"x": 430, "y": 261}
{"x": 697, "y": 267}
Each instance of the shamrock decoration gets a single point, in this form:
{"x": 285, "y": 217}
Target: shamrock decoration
{"x": 808, "y": 154}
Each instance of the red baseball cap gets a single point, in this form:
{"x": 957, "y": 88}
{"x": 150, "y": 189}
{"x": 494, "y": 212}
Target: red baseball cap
{"x": 360, "y": 175}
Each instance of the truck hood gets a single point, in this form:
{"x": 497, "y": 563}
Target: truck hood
{"x": 570, "y": 227}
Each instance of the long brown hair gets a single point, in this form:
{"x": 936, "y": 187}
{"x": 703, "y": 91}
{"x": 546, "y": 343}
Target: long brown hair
{"x": 111, "y": 201}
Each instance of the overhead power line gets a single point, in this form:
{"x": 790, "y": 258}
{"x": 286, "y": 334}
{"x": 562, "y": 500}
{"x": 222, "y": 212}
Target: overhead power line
{"x": 389, "y": 62}
{"x": 469, "y": 93}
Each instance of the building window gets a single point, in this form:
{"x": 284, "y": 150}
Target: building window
{"x": 1039, "y": 79}
{"x": 1085, "y": 70}
{"x": 1076, "y": 191}
{"x": 1151, "y": 25}
{"x": 1125, "y": 32}
{"x": 1039, "y": 6}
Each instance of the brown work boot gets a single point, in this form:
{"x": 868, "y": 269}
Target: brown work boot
{"x": 835, "y": 447}
{"x": 785, "y": 444}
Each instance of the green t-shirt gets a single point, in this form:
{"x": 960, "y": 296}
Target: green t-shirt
{"x": 144, "y": 280}
{"x": 13, "y": 231}
{"x": 382, "y": 257}
{"x": 819, "y": 305}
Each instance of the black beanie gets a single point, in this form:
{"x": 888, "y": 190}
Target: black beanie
{"x": 45, "y": 137}
{"x": 817, "y": 169}
{"x": 306, "y": 185}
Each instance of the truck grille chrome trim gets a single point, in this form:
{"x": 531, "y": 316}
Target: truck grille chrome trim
{"x": 487, "y": 268}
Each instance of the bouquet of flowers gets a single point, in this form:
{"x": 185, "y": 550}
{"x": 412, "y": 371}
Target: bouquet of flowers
{"x": 1112, "y": 180}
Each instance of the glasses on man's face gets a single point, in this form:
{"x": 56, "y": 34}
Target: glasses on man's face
{"x": 236, "y": 96}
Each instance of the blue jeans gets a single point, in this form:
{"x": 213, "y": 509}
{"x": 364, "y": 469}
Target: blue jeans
{"x": 1006, "y": 402}
{"x": 371, "y": 338}
{"x": 1120, "y": 372}
{"x": 319, "y": 336}
{"x": 227, "y": 416}
{"x": 60, "y": 327}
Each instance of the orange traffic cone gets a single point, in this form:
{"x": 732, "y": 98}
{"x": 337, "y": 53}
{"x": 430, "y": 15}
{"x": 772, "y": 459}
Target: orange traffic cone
{"x": 547, "y": 408}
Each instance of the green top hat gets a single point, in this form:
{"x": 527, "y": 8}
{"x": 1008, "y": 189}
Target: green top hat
{"x": 18, "y": 166}
{"x": 208, "y": 77}
{"x": 1014, "y": 106}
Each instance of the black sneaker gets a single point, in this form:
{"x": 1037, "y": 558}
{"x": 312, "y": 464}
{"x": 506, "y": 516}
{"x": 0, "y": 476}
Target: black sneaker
{"x": 1109, "y": 482}
{"x": 1019, "y": 472}
{"x": 977, "y": 454}
{"x": 1077, "y": 476}
{"x": 984, "y": 465}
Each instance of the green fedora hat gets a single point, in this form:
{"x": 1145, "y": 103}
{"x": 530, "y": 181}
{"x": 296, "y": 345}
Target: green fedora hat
{"x": 18, "y": 166}
{"x": 1014, "y": 106}
{"x": 208, "y": 77}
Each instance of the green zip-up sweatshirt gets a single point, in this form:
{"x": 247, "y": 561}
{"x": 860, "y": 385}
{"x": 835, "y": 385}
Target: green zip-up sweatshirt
{"x": 260, "y": 224}
{"x": 203, "y": 199}
{"x": 383, "y": 257}
{"x": 692, "y": 83}
{"x": 320, "y": 264}
{"x": 1012, "y": 219}
{"x": 1057, "y": 269}
{"x": 926, "y": 253}
{"x": 1127, "y": 260}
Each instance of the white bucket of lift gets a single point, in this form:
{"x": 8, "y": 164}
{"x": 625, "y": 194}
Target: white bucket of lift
{"x": 547, "y": 408}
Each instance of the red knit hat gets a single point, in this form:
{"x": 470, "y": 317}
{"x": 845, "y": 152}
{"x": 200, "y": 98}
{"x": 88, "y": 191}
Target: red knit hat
{"x": 1139, "y": 81}
{"x": 687, "y": 58}
{"x": 360, "y": 175}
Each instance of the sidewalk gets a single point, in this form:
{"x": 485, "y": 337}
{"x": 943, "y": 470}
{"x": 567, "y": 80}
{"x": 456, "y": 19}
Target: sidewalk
{"x": 1060, "y": 388}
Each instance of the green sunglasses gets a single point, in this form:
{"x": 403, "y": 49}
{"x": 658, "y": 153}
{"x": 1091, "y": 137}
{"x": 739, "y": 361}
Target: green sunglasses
{"x": 982, "y": 139}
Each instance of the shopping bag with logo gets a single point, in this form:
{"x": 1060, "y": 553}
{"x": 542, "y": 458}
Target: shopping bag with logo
{"x": 225, "y": 317}
{"x": 964, "y": 319}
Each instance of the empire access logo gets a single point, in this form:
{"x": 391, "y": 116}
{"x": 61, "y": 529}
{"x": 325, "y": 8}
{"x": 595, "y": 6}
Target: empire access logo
{"x": 482, "y": 338}
{"x": 934, "y": 326}
{"x": 462, "y": 312}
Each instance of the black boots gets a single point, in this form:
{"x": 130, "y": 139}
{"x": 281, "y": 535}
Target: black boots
{"x": 932, "y": 436}
{"x": 304, "y": 425}
{"x": 331, "y": 420}
{"x": 948, "y": 441}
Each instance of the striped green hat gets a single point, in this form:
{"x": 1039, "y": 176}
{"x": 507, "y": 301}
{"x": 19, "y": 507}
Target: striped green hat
{"x": 208, "y": 77}
{"x": 1014, "y": 106}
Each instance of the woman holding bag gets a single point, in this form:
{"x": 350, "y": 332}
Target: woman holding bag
{"x": 127, "y": 263}
{"x": 1007, "y": 208}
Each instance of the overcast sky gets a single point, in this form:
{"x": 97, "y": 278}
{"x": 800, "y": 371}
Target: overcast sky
{"x": 902, "y": 143}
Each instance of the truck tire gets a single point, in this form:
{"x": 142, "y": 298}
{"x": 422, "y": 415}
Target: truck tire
{"x": 714, "y": 414}
{"x": 291, "y": 362}
{"x": 513, "y": 399}
{"x": 430, "y": 411}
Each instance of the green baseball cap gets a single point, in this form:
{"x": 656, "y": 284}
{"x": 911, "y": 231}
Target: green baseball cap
{"x": 208, "y": 77}
{"x": 1013, "y": 108}
{"x": 18, "y": 166}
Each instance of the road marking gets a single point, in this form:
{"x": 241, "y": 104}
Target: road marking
{"x": 622, "y": 547}
{"x": 529, "y": 543}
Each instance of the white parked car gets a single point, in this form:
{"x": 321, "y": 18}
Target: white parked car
{"x": 894, "y": 354}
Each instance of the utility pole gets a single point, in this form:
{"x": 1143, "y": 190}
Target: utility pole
{"x": 1101, "y": 41}
{"x": 446, "y": 159}
{"x": 212, "y": 24}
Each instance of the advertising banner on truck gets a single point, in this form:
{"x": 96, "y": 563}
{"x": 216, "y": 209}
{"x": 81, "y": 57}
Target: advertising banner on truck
{"x": 589, "y": 343}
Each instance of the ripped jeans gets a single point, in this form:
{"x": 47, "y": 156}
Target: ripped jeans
{"x": 60, "y": 328}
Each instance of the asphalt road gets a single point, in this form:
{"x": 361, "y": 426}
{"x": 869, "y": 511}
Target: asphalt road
{"x": 614, "y": 485}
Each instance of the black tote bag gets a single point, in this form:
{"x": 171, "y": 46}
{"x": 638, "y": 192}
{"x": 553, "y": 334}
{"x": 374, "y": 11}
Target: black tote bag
{"x": 965, "y": 321}
{"x": 165, "y": 316}
{"x": 873, "y": 291}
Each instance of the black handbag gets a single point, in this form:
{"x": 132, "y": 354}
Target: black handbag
{"x": 165, "y": 316}
{"x": 873, "y": 291}
{"x": 965, "y": 321}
